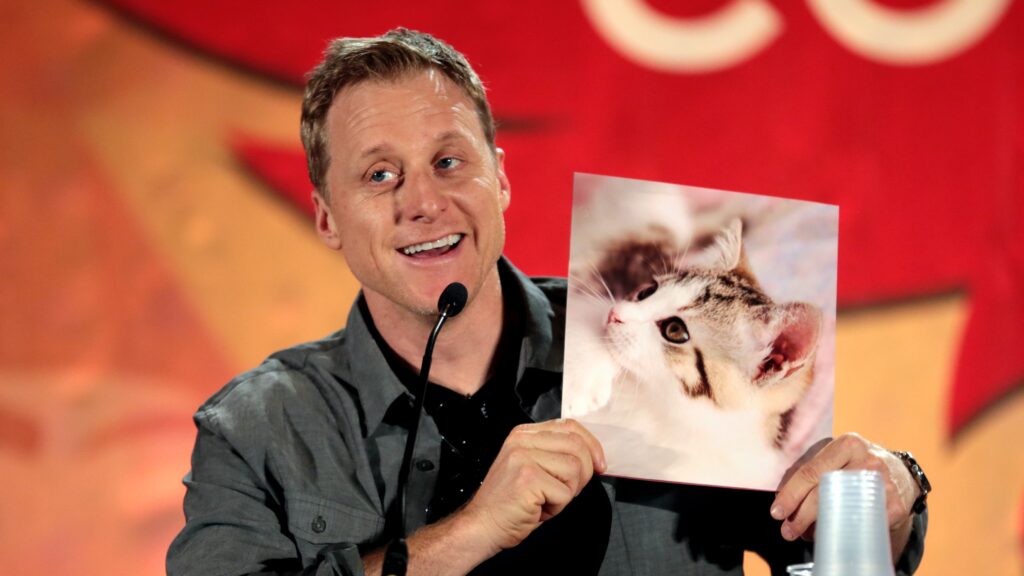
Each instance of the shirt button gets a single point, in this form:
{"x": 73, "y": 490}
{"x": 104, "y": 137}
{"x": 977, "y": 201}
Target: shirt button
{"x": 424, "y": 465}
{"x": 319, "y": 524}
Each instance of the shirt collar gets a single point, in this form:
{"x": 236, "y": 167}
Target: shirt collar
{"x": 362, "y": 365}
{"x": 543, "y": 329}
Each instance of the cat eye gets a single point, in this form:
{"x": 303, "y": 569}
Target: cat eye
{"x": 645, "y": 292}
{"x": 674, "y": 330}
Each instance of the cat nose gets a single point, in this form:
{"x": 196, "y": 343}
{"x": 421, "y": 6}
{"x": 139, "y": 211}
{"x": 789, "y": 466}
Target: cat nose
{"x": 613, "y": 318}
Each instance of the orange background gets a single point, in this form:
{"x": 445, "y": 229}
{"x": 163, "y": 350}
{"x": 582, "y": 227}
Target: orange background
{"x": 142, "y": 267}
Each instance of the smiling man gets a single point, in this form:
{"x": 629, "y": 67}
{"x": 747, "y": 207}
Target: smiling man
{"x": 296, "y": 463}
{"x": 414, "y": 195}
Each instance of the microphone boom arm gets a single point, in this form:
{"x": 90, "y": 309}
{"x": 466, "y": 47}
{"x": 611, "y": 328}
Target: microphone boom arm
{"x": 396, "y": 558}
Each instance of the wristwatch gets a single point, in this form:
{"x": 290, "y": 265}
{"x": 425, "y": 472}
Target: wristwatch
{"x": 918, "y": 475}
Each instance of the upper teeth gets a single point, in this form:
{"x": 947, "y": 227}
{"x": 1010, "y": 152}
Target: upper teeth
{"x": 448, "y": 240}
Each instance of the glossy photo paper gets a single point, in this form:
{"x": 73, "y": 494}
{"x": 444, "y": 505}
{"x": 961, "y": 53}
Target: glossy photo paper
{"x": 700, "y": 337}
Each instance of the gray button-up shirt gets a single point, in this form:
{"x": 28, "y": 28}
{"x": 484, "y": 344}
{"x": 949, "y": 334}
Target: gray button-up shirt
{"x": 295, "y": 466}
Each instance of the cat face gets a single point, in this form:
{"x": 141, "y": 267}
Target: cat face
{"x": 709, "y": 330}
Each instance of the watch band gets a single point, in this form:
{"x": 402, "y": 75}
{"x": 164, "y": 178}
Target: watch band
{"x": 917, "y": 473}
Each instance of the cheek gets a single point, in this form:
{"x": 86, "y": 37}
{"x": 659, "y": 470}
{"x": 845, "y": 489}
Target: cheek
{"x": 356, "y": 243}
{"x": 492, "y": 225}
{"x": 635, "y": 343}
{"x": 364, "y": 221}
{"x": 619, "y": 342}
{"x": 681, "y": 362}
{"x": 480, "y": 200}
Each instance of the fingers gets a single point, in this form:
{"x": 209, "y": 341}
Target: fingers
{"x": 563, "y": 435}
{"x": 800, "y": 523}
{"x": 806, "y": 456}
{"x": 562, "y": 449}
{"x": 797, "y": 499}
{"x": 556, "y": 495}
{"x": 539, "y": 470}
{"x": 543, "y": 483}
{"x": 805, "y": 475}
{"x": 568, "y": 469}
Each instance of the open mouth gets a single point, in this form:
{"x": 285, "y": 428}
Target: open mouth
{"x": 433, "y": 248}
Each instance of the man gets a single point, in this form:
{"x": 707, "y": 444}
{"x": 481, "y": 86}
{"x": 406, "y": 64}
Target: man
{"x": 296, "y": 463}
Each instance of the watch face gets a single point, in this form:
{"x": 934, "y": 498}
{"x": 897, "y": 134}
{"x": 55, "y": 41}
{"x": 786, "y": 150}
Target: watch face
{"x": 926, "y": 486}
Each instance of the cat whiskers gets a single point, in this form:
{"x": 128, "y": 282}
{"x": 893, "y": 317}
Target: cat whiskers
{"x": 593, "y": 294}
{"x": 666, "y": 267}
{"x": 679, "y": 265}
{"x": 585, "y": 285}
{"x": 600, "y": 278}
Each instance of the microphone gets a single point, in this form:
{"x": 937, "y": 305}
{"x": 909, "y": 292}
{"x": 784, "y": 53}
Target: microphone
{"x": 452, "y": 299}
{"x": 396, "y": 558}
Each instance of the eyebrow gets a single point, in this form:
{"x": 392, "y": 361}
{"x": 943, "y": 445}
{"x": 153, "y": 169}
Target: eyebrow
{"x": 443, "y": 138}
{"x": 450, "y": 135}
{"x": 374, "y": 150}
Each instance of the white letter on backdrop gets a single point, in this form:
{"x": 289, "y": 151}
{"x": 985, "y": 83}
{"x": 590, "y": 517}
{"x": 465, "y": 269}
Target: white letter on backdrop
{"x": 709, "y": 43}
{"x": 908, "y": 37}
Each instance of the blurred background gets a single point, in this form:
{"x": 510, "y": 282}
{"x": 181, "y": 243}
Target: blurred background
{"x": 155, "y": 236}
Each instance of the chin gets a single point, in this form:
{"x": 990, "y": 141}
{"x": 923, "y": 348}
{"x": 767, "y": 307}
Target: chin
{"x": 424, "y": 298}
{"x": 422, "y": 304}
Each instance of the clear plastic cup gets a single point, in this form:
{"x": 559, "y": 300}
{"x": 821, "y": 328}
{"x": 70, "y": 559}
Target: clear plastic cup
{"x": 852, "y": 533}
{"x": 801, "y": 569}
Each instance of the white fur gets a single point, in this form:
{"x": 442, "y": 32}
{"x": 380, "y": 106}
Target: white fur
{"x": 649, "y": 428}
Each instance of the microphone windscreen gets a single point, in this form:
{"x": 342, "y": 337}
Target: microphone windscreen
{"x": 452, "y": 299}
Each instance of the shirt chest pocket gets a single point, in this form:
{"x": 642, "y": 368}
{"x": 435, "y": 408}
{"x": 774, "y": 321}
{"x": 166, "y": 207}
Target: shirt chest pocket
{"x": 317, "y": 522}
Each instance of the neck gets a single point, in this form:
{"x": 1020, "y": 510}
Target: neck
{"x": 466, "y": 348}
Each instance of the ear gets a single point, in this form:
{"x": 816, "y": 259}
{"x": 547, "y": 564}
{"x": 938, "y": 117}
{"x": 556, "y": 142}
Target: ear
{"x": 793, "y": 341}
{"x": 505, "y": 189}
{"x": 326, "y": 227}
{"x": 726, "y": 251}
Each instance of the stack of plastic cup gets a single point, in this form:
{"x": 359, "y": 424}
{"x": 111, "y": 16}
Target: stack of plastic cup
{"x": 852, "y": 533}
{"x": 801, "y": 569}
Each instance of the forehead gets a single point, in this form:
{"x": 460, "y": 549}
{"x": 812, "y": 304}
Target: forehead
{"x": 682, "y": 289}
{"x": 417, "y": 106}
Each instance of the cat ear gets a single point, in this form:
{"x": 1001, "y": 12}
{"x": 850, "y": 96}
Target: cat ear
{"x": 794, "y": 338}
{"x": 726, "y": 251}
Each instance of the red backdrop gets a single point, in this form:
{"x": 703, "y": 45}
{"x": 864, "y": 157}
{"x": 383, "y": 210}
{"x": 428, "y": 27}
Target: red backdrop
{"x": 906, "y": 113}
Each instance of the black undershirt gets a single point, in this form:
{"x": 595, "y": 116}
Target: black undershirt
{"x": 473, "y": 428}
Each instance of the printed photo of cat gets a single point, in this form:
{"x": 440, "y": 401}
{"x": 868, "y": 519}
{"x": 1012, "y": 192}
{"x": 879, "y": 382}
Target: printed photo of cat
{"x": 700, "y": 336}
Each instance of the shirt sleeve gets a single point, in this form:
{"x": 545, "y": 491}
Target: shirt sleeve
{"x": 914, "y": 550}
{"x": 235, "y": 525}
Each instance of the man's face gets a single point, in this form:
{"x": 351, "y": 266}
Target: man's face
{"x": 416, "y": 196}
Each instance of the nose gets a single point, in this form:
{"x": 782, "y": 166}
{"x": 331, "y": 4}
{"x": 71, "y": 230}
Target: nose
{"x": 613, "y": 318}
{"x": 421, "y": 199}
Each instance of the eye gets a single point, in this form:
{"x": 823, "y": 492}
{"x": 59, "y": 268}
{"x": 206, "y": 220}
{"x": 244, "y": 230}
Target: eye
{"x": 674, "y": 330}
{"x": 382, "y": 175}
{"x": 645, "y": 292}
{"x": 448, "y": 162}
